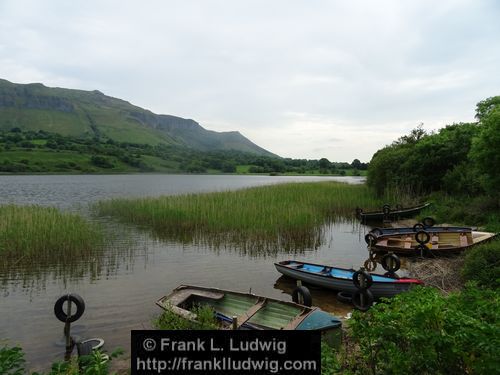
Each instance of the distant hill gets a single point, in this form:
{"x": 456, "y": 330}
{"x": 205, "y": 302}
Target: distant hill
{"x": 91, "y": 113}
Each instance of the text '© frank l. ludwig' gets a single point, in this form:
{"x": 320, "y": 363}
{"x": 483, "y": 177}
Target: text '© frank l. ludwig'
{"x": 233, "y": 345}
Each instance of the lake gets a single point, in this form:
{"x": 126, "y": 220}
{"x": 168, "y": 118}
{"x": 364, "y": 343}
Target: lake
{"x": 121, "y": 284}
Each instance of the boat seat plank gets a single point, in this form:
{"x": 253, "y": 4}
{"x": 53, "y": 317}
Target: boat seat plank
{"x": 382, "y": 242}
{"x": 435, "y": 241}
{"x": 241, "y": 319}
{"x": 463, "y": 240}
{"x": 407, "y": 243}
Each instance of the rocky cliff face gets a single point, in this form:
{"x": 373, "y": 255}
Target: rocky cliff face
{"x": 78, "y": 112}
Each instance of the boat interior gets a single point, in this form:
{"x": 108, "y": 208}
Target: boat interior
{"x": 252, "y": 312}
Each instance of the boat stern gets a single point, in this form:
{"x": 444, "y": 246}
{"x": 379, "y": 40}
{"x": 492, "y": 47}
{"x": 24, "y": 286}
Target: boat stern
{"x": 329, "y": 325}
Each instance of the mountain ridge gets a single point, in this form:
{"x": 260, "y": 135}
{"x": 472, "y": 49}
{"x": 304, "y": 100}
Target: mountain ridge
{"x": 75, "y": 112}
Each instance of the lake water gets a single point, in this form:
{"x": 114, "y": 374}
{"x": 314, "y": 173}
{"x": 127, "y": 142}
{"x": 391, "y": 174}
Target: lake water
{"x": 120, "y": 285}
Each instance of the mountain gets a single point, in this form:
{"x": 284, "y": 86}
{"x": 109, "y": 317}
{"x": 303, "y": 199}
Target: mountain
{"x": 91, "y": 113}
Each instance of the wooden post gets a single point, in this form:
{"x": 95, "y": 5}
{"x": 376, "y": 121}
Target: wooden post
{"x": 235, "y": 322}
{"x": 67, "y": 333}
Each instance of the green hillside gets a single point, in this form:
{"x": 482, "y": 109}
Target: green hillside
{"x": 78, "y": 113}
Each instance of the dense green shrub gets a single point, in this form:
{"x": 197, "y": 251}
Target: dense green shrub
{"x": 423, "y": 332}
{"x": 481, "y": 210}
{"x": 11, "y": 360}
{"x": 482, "y": 264}
{"x": 97, "y": 363}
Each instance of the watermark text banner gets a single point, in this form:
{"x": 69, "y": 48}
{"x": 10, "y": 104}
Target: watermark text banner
{"x": 226, "y": 352}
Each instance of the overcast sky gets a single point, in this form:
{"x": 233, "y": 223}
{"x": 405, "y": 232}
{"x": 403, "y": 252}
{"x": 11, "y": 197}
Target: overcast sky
{"x": 303, "y": 79}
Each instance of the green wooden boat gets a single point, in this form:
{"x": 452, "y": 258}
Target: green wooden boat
{"x": 389, "y": 213}
{"x": 249, "y": 311}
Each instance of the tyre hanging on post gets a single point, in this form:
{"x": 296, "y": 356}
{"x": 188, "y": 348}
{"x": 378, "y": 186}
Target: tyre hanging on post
{"x": 62, "y": 315}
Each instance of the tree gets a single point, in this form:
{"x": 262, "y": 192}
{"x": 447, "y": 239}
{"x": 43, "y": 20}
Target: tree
{"x": 485, "y": 107}
{"x": 324, "y": 163}
{"x": 415, "y": 135}
{"x": 356, "y": 164}
{"x": 485, "y": 148}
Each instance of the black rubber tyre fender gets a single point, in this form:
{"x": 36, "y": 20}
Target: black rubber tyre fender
{"x": 359, "y": 211}
{"x": 362, "y": 299}
{"x": 386, "y": 209}
{"x": 71, "y": 298}
{"x": 302, "y": 296}
{"x": 386, "y": 261}
{"x": 418, "y": 227}
{"x": 422, "y": 237}
{"x": 376, "y": 231}
{"x": 356, "y": 279}
{"x": 344, "y": 297}
{"x": 428, "y": 221}
{"x": 370, "y": 239}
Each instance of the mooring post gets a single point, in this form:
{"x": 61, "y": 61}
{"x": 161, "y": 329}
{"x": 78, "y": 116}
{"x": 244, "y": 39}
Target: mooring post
{"x": 67, "y": 333}
{"x": 234, "y": 324}
{"x": 67, "y": 317}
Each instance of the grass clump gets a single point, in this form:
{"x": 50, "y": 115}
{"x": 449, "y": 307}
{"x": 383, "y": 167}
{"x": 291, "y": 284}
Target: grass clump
{"x": 285, "y": 214}
{"x": 36, "y": 232}
{"x": 205, "y": 320}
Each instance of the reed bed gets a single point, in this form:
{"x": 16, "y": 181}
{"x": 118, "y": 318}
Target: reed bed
{"x": 44, "y": 234}
{"x": 278, "y": 214}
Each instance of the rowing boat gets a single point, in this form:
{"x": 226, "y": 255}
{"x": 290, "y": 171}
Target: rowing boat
{"x": 435, "y": 242}
{"x": 389, "y": 213}
{"x": 412, "y": 231}
{"x": 249, "y": 311}
{"x": 341, "y": 279}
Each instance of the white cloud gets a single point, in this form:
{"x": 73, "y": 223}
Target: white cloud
{"x": 362, "y": 72}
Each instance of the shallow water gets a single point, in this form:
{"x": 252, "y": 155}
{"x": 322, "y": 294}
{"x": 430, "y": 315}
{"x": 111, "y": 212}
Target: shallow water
{"x": 121, "y": 284}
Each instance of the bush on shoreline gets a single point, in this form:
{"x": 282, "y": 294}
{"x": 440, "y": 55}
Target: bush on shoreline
{"x": 482, "y": 265}
{"x": 424, "y": 332}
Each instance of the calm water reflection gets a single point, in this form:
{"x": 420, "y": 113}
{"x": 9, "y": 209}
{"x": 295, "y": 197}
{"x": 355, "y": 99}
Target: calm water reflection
{"x": 121, "y": 283}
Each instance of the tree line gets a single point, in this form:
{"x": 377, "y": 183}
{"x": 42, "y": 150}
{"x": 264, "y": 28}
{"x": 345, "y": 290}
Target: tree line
{"x": 460, "y": 159}
{"x": 104, "y": 153}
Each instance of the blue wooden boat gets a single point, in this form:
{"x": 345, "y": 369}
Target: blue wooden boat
{"x": 340, "y": 279}
{"x": 251, "y": 311}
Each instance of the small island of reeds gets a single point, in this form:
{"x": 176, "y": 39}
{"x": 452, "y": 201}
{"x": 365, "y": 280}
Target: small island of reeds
{"x": 289, "y": 215}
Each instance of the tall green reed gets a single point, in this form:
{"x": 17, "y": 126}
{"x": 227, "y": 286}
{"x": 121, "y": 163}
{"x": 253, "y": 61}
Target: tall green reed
{"x": 44, "y": 234}
{"x": 277, "y": 215}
